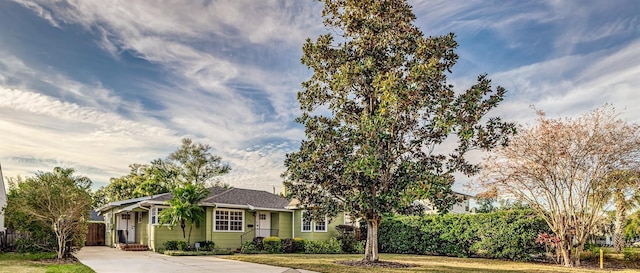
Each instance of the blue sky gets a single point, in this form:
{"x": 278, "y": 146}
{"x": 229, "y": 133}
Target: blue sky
{"x": 98, "y": 85}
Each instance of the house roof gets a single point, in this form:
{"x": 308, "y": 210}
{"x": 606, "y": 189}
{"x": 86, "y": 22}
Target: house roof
{"x": 124, "y": 202}
{"x": 255, "y": 198}
{"x": 233, "y": 197}
{"x": 94, "y": 216}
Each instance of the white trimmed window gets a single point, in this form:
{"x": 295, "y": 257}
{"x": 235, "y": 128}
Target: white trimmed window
{"x": 306, "y": 225}
{"x": 228, "y": 220}
{"x": 321, "y": 226}
{"x": 309, "y": 226}
{"x": 155, "y": 215}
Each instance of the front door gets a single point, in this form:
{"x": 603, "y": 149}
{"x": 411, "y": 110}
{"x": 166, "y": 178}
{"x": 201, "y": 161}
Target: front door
{"x": 126, "y": 227}
{"x": 264, "y": 224}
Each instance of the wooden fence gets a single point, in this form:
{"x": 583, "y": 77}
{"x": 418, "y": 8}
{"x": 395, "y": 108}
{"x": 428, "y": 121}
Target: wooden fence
{"x": 95, "y": 234}
{"x": 7, "y": 238}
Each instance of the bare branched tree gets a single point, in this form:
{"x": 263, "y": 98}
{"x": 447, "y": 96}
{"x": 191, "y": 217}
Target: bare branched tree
{"x": 558, "y": 166}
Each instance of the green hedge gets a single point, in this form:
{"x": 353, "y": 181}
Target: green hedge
{"x": 272, "y": 245}
{"x": 508, "y": 234}
{"x": 331, "y": 246}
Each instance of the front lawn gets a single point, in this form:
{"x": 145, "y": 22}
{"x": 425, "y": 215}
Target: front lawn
{"x": 326, "y": 263}
{"x": 39, "y": 262}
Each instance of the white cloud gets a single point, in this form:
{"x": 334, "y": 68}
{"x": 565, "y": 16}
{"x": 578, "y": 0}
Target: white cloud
{"x": 570, "y": 86}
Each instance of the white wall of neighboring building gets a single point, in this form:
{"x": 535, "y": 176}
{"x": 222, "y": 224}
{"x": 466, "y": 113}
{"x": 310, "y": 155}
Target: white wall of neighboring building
{"x": 460, "y": 207}
{"x": 3, "y": 201}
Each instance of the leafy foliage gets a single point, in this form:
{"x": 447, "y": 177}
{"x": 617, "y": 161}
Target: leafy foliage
{"x": 347, "y": 238}
{"x": 250, "y": 247}
{"x": 184, "y": 208}
{"x": 272, "y": 245}
{"x": 206, "y": 245}
{"x": 50, "y": 205}
{"x": 505, "y": 234}
{"x": 624, "y": 188}
{"x": 191, "y": 163}
{"x": 376, "y": 108}
{"x": 196, "y": 164}
{"x": 559, "y": 167}
{"x": 331, "y": 246}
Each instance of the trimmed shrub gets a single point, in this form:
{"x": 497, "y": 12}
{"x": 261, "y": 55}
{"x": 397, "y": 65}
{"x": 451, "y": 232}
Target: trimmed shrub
{"x": 170, "y": 245}
{"x": 249, "y": 247}
{"x": 287, "y": 245}
{"x": 507, "y": 234}
{"x": 272, "y": 245}
{"x": 206, "y": 245}
{"x": 258, "y": 242}
{"x": 183, "y": 246}
{"x": 298, "y": 245}
{"x": 331, "y": 246}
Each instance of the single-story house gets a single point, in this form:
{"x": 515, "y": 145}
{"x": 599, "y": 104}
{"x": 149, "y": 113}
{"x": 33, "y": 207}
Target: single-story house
{"x": 232, "y": 216}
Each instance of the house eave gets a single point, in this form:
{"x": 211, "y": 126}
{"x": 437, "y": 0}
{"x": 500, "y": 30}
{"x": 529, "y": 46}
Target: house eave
{"x": 248, "y": 207}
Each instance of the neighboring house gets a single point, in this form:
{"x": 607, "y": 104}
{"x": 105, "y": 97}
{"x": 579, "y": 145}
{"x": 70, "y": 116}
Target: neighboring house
{"x": 3, "y": 201}
{"x": 232, "y": 216}
{"x": 460, "y": 207}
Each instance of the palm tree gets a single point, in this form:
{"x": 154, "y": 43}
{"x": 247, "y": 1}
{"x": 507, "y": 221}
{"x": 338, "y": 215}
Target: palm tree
{"x": 624, "y": 189}
{"x": 184, "y": 208}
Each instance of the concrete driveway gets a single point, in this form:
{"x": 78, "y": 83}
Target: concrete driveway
{"x": 104, "y": 259}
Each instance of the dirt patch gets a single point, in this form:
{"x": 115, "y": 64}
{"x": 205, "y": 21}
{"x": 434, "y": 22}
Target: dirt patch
{"x": 379, "y": 264}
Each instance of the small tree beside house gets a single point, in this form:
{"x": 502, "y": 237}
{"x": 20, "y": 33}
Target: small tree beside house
{"x": 184, "y": 208}
{"x": 58, "y": 202}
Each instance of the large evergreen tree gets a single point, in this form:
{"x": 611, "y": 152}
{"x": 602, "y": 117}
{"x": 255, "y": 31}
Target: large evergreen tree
{"x": 377, "y": 112}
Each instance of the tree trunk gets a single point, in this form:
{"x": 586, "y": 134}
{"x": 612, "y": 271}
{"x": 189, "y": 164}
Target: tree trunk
{"x": 189, "y": 237}
{"x": 577, "y": 253}
{"x": 618, "y": 234}
{"x": 371, "y": 249}
{"x": 60, "y": 238}
{"x": 566, "y": 255}
{"x": 183, "y": 225}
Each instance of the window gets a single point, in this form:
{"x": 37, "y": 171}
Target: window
{"x": 263, "y": 216}
{"x": 321, "y": 226}
{"x": 155, "y": 215}
{"x": 229, "y": 220}
{"x": 308, "y": 226}
{"x": 124, "y": 216}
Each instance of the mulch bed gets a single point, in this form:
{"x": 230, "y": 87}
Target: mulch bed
{"x": 380, "y": 264}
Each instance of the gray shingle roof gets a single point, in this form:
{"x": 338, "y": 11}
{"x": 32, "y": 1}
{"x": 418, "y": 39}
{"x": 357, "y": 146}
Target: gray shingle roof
{"x": 236, "y": 196}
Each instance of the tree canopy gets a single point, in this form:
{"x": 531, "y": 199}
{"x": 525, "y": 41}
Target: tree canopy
{"x": 55, "y": 202}
{"x": 378, "y": 112}
{"x": 185, "y": 208}
{"x": 560, "y": 167}
{"x": 191, "y": 163}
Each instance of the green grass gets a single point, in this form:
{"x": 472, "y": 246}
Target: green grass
{"x": 38, "y": 263}
{"x": 326, "y": 263}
